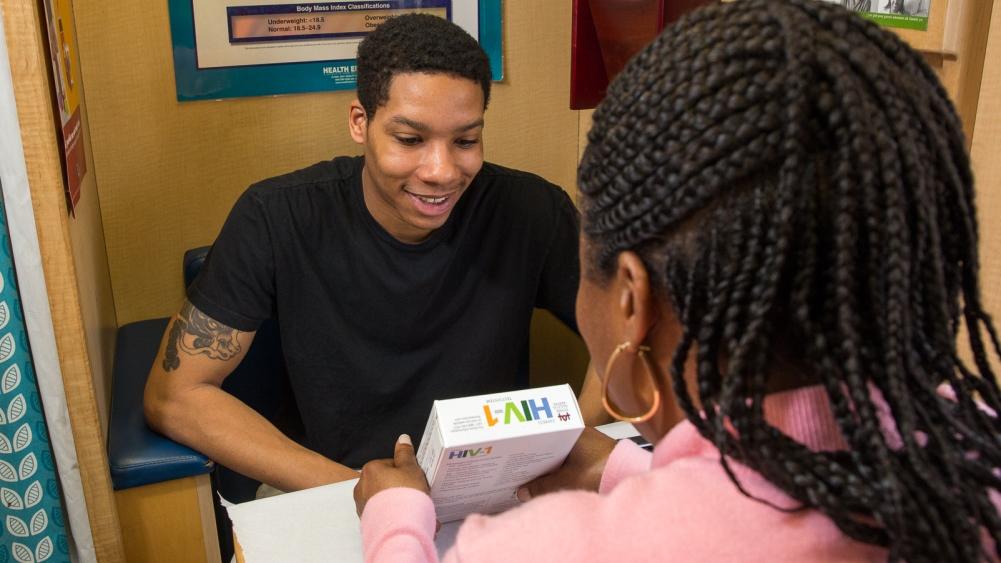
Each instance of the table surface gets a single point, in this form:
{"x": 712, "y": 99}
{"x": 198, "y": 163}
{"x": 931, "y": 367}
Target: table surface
{"x": 337, "y": 501}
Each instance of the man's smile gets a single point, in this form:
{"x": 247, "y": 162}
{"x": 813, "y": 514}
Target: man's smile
{"x": 429, "y": 198}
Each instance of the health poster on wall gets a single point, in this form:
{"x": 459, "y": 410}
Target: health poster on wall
{"x": 228, "y": 49}
{"x": 66, "y": 80}
{"x": 908, "y": 14}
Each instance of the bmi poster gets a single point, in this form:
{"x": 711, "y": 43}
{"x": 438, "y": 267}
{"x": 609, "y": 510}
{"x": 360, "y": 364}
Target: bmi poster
{"x": 66, "y": 78}
{"x": 908, "y": 14}
{"x": 236, "y": 48}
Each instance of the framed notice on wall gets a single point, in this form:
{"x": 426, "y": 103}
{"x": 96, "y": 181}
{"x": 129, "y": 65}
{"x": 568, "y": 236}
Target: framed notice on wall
{"x": 66, "y": 81}
{"x": 235, "y": 48}
{"x": 907, "y": 14}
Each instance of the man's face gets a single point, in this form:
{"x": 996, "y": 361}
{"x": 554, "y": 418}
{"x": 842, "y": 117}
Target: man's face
{"x": 422, "y": 149}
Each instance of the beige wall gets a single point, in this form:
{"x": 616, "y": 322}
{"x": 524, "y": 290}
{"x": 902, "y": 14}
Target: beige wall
{"x": 170, "y": 171}
{"x": 971, "y": 78}
{"x": 987, "y": 168}
{"x": 93, "y": 281}
{"x": 960, "y": 72}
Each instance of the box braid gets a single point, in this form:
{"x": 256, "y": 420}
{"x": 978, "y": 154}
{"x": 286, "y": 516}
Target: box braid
{"x": 796, "y": 180}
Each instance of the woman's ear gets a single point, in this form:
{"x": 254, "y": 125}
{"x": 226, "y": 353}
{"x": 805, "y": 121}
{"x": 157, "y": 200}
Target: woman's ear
{"x": 637, "y": 307}
{"x": 357, "y": 122}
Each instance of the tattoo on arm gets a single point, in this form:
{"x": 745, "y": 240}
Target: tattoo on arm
{"x": 194, "y": 332}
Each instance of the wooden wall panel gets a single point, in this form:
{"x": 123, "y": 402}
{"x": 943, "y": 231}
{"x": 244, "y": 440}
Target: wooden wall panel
{"x": 28, "y": 59}
{"x": 97, "y": 306}
{"x": 530, "y": 126}
{"x": 987, "y": 168}
{"x": 940, "y": 37}
{"x": 529, "y": 123}
{"x": 960, "y": 73}
{"x": 169, "y": 522}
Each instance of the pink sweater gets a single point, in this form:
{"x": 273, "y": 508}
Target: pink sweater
{"x": 676, "y": 504}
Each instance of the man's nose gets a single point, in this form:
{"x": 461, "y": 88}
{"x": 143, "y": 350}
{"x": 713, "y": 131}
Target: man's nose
{"x": 439, "y": 167}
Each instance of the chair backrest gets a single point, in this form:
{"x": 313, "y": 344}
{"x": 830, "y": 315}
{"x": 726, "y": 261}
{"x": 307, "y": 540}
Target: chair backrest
{"x": 261, "y": 381}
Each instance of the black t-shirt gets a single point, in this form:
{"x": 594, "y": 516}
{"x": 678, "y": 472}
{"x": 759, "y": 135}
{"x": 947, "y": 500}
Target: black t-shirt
{"x": 373, "y": 329}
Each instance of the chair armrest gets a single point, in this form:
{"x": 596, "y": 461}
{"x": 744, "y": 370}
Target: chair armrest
{"x": 138, "y": 455}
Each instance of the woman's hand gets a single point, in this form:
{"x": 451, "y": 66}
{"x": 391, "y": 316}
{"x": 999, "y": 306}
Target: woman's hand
{"x": 581, "y": 470}
{"x": 381, "y": 474}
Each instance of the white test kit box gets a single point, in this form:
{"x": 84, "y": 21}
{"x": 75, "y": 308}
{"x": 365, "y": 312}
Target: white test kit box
{"x": 477, "y": 451}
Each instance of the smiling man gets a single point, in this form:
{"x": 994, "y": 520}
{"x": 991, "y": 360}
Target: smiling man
{"x": 406, "y": 275}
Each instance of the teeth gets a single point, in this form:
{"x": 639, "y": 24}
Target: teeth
{"x": 432, "y": 200}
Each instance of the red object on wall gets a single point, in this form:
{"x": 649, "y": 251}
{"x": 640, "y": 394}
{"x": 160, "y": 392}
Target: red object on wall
{"x": 607, "y": 33}
{"x": 588, "y": 80}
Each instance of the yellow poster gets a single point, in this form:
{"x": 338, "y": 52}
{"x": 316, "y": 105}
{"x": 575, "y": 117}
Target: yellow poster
{"x": 66, "y": 78}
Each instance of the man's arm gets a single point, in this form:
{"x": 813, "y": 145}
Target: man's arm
{"x": 589, "y": 400}
{"x": 184, "y": 401}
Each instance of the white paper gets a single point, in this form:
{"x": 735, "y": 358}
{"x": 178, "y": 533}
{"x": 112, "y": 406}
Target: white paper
{"x": 618, "y": 430}
{"x": 314, "y": 525}
{"x": 320, "y": 524}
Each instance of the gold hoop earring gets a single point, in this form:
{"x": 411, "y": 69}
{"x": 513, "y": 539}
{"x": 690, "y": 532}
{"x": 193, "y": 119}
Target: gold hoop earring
{"x": 641, "y": 352}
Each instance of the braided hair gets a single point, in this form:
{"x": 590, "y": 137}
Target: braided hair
{"x": 795, "y": 179}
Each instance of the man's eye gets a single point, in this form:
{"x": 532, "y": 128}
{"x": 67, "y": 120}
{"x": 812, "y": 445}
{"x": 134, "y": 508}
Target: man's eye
{"x": 467, "y": 143}
{"x": 408, "y": 141}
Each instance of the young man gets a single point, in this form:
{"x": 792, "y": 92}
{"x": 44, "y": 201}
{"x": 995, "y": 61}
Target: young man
{"x": 400, "y": 277}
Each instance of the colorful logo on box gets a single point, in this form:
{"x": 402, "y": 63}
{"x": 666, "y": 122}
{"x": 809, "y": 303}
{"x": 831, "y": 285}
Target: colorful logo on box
{"x": 470, "y": 453}
{"x": 525, "y": 411}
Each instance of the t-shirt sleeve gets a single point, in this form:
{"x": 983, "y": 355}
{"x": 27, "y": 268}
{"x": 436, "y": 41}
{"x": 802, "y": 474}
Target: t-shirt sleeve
{"x": 236, "y": 283}
{"x": 561, "y": 270}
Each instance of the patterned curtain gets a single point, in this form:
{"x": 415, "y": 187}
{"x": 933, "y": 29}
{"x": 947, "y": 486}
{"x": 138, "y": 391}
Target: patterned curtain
{"x": 30, "y": 502}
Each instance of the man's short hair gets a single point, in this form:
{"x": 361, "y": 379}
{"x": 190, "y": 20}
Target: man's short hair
{"x": 417, "y": 43}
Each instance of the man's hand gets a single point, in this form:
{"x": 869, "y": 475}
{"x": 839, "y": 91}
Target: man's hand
{"x": 581, "y": 470}
{"x": 381, "y": 474}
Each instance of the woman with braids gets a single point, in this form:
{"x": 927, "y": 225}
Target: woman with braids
{"x": 779, "y": 248}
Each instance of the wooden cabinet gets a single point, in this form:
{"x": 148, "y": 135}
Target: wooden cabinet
{"x": 954, "y": 45}
{"x": 944, "y": 25}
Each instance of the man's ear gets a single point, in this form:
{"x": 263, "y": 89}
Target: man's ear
{"x": 637, "y": 306}
{"x": 358, "y": 122}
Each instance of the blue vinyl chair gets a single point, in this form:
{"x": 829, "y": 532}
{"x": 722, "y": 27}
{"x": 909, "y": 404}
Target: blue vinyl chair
{"x": 139, "y": 456}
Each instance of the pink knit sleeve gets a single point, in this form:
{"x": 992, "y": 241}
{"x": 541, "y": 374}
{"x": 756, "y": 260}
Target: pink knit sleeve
{"x": 398, "y": 525}
{"x": 627, "y": 459}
